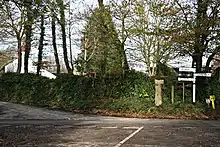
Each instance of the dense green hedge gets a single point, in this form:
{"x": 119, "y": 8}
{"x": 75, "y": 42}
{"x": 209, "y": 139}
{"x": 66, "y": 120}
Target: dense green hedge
{"x": 130, "y": 93}
{"x": 209, "y": 86}
{"x": 78, "y": 92}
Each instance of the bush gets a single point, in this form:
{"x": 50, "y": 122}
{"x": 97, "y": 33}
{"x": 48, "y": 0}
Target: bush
{"x": 210, "y": 86}
{"x": 73, "y": 92}
{"x": 130, "y": 93}
{"x": 27, "y": 89}
{"x": 132, "y": 84}
{"x": 214, "y": 87}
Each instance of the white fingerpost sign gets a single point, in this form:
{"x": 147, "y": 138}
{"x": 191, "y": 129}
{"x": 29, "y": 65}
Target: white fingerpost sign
{"x": 187, "y": 69}
{"x": 191, "y": 78}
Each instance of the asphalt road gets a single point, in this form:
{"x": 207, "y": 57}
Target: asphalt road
{"x": 26, "y": 126}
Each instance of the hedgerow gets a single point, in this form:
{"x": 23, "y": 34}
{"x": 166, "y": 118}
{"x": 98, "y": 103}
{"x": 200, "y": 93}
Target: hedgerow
{"x": 130, "y": 93}
{"x": 74, "y": 92}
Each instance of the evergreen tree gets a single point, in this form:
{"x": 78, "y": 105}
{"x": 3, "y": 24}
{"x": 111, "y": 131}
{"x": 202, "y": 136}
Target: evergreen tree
{"x": 101, "y": 47}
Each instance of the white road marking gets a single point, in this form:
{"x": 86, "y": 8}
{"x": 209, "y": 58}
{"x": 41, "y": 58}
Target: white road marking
{"x": 188, "y": 127}
{"x": 129, "y": 137}
{"x": 158, "y": 126}
{"x": 115, "y": 127}
{"x": 131, "y": 128}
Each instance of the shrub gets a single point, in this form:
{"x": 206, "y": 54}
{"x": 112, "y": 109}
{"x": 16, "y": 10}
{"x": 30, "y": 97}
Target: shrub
{"x": 131, "y": 93}
{"x": 69, "y": 91}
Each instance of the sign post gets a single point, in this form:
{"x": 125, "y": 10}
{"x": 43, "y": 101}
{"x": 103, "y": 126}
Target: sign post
{"x": 183, "y": 92}
{"x": 194, "y": 92}
{"x": 191, "y": 78}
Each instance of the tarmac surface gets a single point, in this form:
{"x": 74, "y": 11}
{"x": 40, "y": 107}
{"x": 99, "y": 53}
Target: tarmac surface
{"x": 26, "y": 126}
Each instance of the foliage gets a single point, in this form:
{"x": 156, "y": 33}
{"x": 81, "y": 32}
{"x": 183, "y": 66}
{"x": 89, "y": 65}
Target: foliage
{"x": 150, "y": 34}
{"x": 73, "y": 91}
{"x": 179, "y": 109}
{"x": 215, "y": 84}
{"x": 211, "y": 86}
{"x": 197, "y": 31}
{"x": 100, "y": 47}
{"x": 152, "y": 28}
{"x": 170, "y": 78}
{"x": 130, "y": 93}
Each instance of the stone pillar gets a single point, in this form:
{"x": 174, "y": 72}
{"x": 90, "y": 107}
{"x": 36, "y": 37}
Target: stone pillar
{"x": 158, "y": 92}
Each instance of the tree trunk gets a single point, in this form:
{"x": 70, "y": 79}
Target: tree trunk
{"x": 28, "y": 33}
{"x": 209, "y": 61}
{"x": 65, "y": 49}
{"x": 70, "y": 42}
{"x": 199, "y": 62}
{"x": 71, "y": 54}
{"x": 63, "y": 29}
{"x": 41, "y": 45}
{"x": 55, "y": 45}
{"x": 124, "y": 58}
{"x": 193, "y": 61}
{"x": 19, "y": 56}
{"x": 200, "y": 36}
{"x": 101, "y": 4}
{"x": 216, "y": 51}
{"x": 125, "y": 64}
{"x": 199, "y": 81}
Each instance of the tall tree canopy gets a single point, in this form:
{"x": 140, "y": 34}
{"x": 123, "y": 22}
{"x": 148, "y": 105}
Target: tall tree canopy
{"x": 198, "y": 31}
{"x": 101, "y": 46}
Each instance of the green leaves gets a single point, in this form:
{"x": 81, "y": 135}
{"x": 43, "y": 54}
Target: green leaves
{"x": 74, "y": 91}
{"x": 38, "y": 2}
{"x": 100, "y": 46}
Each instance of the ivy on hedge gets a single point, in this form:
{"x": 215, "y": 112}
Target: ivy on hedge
{"x": 75, "y": 92}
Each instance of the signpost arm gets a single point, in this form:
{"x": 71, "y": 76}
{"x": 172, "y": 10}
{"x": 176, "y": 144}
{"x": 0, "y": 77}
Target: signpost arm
{"x": 191, "y": 79}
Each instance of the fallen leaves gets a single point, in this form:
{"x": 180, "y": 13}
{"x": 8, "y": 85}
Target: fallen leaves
{"x": 136, "y": 115}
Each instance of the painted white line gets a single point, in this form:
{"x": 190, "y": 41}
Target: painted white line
{"x": 127, "y": 138}
{"x": 131, "y": 128}
{"x": 109, "y": 127}
{"x": 158, "y": 126}
{"x": 188, "y": 127}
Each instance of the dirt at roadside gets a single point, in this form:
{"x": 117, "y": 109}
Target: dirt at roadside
{"x": 209, "y": 115}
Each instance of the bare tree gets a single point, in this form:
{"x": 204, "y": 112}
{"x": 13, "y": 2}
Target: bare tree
{"x": 41, "y": 44}
{"x": 53, "y": 28}
{"x": 149, "y": 35}
{"x": 12, "y": 25}
{"x": 62, "y": 23}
